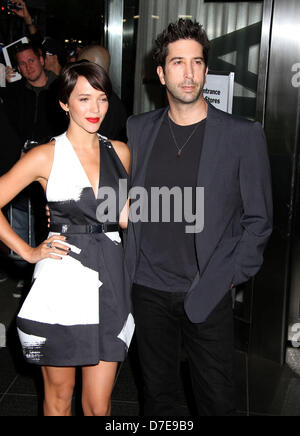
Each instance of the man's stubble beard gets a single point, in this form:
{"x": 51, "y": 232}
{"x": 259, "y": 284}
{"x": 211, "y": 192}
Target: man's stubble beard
{"x": 177, "y": 97}
{"x": 36, "y": 78}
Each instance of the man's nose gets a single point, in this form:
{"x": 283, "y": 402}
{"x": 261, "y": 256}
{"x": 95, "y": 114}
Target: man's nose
{"x": 189, "y": 71}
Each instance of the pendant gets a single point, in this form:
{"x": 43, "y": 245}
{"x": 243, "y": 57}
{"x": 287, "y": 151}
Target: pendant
{"x": 179, "y": 153}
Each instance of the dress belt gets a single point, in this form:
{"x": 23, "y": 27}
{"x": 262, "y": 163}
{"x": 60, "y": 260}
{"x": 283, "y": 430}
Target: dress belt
{"x": 85, "y": 228}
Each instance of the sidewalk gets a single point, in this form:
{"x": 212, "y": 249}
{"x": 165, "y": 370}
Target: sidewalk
{"x": 21, "y": 388}
{"x": 262, "y": 387}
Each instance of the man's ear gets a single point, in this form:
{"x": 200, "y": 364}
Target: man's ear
{"x": 42, "y": 61}
{"x": 161, "y": 75}
{"x": 206, "y": 72}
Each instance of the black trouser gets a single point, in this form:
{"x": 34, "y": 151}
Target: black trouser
{"x": 162, "y": 326}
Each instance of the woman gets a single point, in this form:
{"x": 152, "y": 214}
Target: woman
{"x": 78, "y": 310}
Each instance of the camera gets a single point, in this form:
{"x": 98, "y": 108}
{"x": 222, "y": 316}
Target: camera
{"x": 11, "y": 5}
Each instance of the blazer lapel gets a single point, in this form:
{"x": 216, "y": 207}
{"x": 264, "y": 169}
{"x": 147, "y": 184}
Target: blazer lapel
{"x": 206, "y": 175}
{"x": 211, "y": 144}
{"x": 145, "y": 144}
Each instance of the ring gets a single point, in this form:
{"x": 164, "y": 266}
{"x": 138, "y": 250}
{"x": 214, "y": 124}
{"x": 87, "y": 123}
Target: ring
{"x": 49, "y": 245}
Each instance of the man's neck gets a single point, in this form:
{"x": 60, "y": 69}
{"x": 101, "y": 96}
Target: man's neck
{"x": 57, "y": 70}
{"x": 40, "y": 82}
{"x": 187, "y": 114}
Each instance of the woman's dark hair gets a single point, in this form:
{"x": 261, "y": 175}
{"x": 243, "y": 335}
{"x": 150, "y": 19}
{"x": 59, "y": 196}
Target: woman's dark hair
{"x": 95, "y": 75}
{"x": 182, "y": 29}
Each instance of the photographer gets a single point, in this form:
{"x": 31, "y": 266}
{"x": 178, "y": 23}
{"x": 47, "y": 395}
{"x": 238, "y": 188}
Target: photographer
{"x": 21, "y": 11}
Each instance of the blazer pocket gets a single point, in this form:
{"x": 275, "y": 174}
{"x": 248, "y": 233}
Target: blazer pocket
{"x": 229, "y": 241}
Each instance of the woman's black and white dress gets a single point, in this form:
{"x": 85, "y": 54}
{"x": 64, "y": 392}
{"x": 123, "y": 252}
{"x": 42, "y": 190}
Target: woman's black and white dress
{"x": 78, "y": 311}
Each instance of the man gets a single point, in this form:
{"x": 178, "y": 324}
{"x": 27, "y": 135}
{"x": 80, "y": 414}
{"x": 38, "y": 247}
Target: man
{"x": 97, "y": 54}
{"x": 114, "y": 123}
{"x": 31, "y": 103}
{"x": 22, "y": 12}
{"x": 33, "y": 111}
{"x": 54, "y": 51}
{"x": 55, "y": 56}
{"x": 182, "y": 292}
{"x": 33, "y": 33}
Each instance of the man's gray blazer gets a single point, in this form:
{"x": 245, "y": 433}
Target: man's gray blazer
{"x": 235, "y": 174}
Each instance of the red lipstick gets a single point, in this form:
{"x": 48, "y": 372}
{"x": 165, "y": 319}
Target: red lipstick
{"x": 93, "y": 120}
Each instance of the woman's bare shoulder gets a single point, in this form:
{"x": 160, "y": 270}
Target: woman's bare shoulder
{"x": 123, "y": 152}
{"x": 42, "y": 152}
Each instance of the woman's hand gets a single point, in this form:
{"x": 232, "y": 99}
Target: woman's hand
{"x": 48, "y": 214}
{"x": 50, "y": 248}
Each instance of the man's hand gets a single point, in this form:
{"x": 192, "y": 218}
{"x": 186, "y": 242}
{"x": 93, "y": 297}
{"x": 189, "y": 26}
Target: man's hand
{"x": 10, "y": 74}
{"x": 22, "y": 13}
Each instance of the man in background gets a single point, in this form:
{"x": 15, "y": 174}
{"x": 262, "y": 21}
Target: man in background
{"x": 33, "y": 111}
{"x": 114, "y": 123}
{"x": 33, "y": 33}
{"x": 55, "y": 57}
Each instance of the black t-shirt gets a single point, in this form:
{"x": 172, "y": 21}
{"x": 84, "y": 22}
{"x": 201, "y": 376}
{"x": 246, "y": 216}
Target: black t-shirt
{"x": 168, "y": 260}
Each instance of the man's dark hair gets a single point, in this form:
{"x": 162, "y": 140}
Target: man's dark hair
{"x": 95, "y": 75}
{"x": 24, "y": 47}
{"x": 182, "y": 29}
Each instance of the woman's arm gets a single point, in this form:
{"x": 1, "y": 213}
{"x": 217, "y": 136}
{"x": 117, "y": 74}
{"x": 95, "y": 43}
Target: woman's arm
{"x": 34, "y": 166}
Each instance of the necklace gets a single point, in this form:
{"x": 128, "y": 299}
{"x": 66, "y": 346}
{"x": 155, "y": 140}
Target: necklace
{"x": 179, "y": 149}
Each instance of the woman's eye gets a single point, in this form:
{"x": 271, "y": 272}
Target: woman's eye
{"x": 83, "y": 99}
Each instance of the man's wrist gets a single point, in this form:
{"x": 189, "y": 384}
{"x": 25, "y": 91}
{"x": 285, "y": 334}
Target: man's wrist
{"x": 29, "y": 21}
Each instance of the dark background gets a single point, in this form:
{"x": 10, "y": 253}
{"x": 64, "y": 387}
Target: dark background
{"x": 61, "y": 19}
